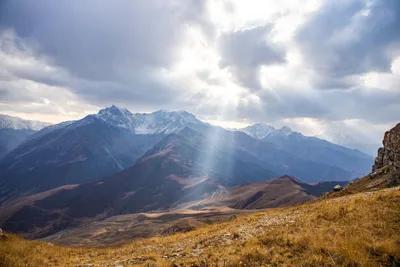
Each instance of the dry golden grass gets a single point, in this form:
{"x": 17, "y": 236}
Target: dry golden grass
{"x": 356, "y": 230}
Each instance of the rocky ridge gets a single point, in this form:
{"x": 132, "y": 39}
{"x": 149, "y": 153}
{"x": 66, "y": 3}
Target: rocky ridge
{"x": 388, "y": 158}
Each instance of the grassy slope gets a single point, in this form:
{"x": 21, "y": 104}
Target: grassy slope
{"x": 356, "y": 230}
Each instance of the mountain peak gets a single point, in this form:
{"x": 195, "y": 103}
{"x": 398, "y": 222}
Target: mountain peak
{"x": 160, "y": 121}
{"x": 17, "y": 123}
{"x": 114, "y": 110}
{"x": 262, "y": 130}
{"x": 288, "y": 178}
{"x": 119, "y": 117}
{"x": 258, "y": 130}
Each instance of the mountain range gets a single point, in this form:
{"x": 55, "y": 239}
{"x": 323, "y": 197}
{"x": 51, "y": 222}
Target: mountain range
{"x": 116, "y": 162}
{"x": 112, "y": 140}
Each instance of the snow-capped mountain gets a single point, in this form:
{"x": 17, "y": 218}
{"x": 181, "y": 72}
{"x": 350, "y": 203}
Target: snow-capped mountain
{"x": 261, "y": 131}
{"x": 117, "y": 117}
{"x": 112, "y": 140}
{"x": 258, "y": 130}
{"x": 158, "y": 122}
{"x": 163, "y": 121}
{"x": 88, "y": 149}
{"x": 14, "y": 131}
{"x": 284, "y": 131}
{"x": 9, "y": 122}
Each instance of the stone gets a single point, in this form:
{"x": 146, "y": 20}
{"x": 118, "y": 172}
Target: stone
{"x": 394, "y": 178}
{"x": 338, "y": 188}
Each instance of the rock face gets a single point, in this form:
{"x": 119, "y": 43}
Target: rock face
{"x": 388, "y": 159}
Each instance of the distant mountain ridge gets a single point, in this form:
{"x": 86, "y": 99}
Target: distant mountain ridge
{"x": 361, "y": 143}
{"x": 10, "y": 122}
{"x": 262, "y": 130}
{"x": 312, "y": 148}
{"x": 14, "y": 131}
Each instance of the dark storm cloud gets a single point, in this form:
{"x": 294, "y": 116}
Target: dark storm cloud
{"x": 110, "y": 50}
{"x": 350, "y": 37}
{"x": 96, "y": 39}
{"x": 243, "y": 52}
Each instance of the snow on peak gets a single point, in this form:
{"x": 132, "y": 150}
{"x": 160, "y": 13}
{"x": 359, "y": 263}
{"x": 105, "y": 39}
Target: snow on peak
{"x": 285, "y": 130}
{"x": 261, "y": 131}
{"x": 160, "y": 121}
{"x": 117, "y": 117}
{"x": 21, "y": 124}
{"x": 258, "y": 130}
{"x": 115, "y": 111}
{"x": 163, "y": 121}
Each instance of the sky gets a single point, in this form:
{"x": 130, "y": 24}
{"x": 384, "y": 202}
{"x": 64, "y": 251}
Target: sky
{"x": 321, "y": 67}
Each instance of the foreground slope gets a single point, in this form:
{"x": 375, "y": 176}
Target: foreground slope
{"x": 358, "y": 230}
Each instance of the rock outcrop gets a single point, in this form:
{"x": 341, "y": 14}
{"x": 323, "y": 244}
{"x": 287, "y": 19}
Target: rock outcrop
{"x": 388, "y": 159}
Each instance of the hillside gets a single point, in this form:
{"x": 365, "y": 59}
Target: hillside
{"x": 357, "y": 230}
{"x": 28, "y": 219}
{"x": 279, "y": 192}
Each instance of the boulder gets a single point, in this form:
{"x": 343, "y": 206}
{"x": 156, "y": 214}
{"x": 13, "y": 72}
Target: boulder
{"x": 394, "y": 178}
{"x": 338, "y": 188}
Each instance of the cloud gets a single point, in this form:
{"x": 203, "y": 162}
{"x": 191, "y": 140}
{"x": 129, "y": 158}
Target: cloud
{"x": 98, "y": 39}
{"x": 105, "y": 51}
{"x": 348, "y": 38}
{"x": 245, "y": 51}
{"x": 266, "y": 60}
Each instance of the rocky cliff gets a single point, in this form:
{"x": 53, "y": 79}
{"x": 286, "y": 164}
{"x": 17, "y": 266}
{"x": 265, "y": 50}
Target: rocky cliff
{"x": 388, "y": 159}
